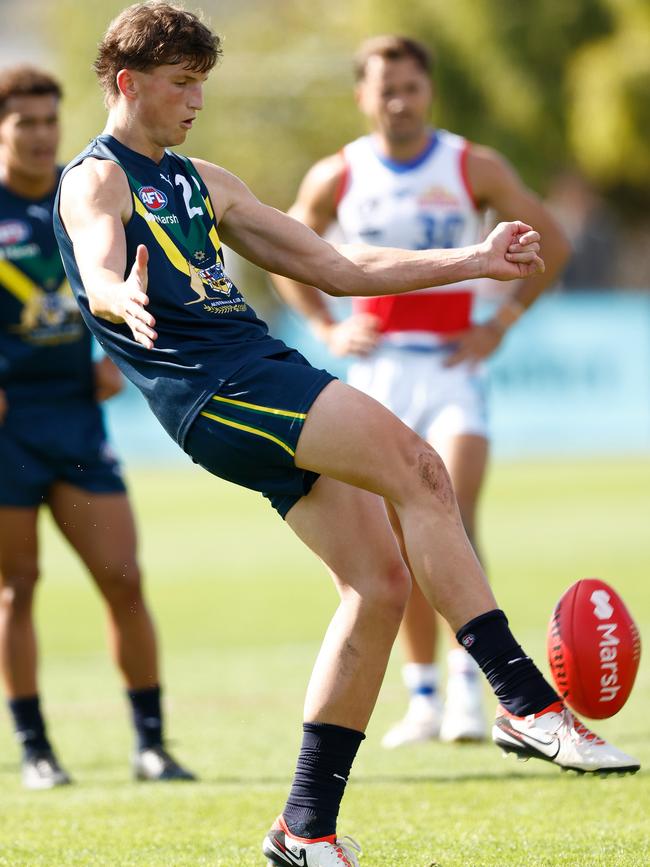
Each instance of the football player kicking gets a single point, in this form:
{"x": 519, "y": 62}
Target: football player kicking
{"x": 249, "y": 409}
{"x": 53, "y": 445}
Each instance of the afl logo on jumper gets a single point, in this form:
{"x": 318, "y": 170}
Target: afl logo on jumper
{"x": 14, "y": 232}
{"x": 151, "y": 197}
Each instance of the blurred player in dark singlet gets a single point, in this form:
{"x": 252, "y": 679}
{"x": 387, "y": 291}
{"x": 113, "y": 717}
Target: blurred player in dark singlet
{"x": 53, "y": 447}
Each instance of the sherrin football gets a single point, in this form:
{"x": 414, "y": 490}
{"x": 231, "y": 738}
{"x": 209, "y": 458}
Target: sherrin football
{"x": 593, "y": 649}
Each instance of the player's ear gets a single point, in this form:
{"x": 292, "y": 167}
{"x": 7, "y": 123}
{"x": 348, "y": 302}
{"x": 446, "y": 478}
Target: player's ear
{"x": 126, "y": 83}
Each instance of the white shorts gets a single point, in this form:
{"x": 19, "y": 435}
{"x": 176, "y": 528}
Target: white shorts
{"x": 436, "y": 402}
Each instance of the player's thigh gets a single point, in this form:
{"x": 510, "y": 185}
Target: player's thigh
{"x": 351, "y": 437}
{"x": 100, "y": 527}
{"x": 349, "y": 530}
{"x": 18, "y": 547}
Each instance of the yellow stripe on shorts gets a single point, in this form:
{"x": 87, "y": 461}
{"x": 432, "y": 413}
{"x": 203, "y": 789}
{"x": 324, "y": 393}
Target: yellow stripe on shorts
{"x": 248, "y": 429}
{"x": 257, "y": 408}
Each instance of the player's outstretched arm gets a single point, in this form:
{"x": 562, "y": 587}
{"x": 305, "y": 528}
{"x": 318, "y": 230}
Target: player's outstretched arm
{"x": 281, "y": 245}
{"x": 95, "y": 203}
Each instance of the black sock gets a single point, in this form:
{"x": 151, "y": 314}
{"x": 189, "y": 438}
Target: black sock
{"x": 323, "y": 767}
{"x": 147, "y": 716}
{"x": 29, "y": 725}
{"x": 514, "y": 677}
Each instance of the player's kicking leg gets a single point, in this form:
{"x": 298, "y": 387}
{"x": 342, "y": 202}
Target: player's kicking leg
{"x": 349, "y": 436}
{"x": 349, "y": 530}
{"x": 101, "y": 529}
{"x": 18, "y": 646}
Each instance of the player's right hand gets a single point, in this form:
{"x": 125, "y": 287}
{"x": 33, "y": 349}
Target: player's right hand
{"x": 136, "y": 299}
{"x": 356, "y": 335}
{"x": 3, "y": 406}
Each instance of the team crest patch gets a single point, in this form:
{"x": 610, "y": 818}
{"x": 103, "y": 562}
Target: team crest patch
{"x": 14, "y": 232}
{"x": 212, "y": 278}
{"x": 152, "y": 198}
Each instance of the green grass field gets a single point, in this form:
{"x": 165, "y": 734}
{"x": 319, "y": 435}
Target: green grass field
{"x": 240, "y": 608}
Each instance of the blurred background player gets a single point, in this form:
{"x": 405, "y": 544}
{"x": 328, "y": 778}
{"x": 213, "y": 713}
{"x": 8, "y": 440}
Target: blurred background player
{"x": 412, "y": 186}
{"x": 53, "y": 446}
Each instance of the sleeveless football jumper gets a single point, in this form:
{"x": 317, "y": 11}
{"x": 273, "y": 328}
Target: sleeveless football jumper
{"x": 419, "y": 204}
{"x": 415, "y": 205}
{"x": 233, "y": 397}
{"x": 53, "y": 430}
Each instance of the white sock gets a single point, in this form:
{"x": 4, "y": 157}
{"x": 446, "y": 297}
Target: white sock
{"x": 461, "y": 664}
{"x": 421, "y": 680}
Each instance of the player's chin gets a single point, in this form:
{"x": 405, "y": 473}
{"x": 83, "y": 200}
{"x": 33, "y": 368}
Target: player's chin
{"x": 178, "y": 135}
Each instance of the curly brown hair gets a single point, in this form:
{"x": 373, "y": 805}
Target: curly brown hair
{"x": 26, "y": 80}
{"x": 151, "y": 34}
{"x": 392, "y": 48}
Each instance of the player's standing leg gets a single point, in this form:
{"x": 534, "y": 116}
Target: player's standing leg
{"x": 18, "y": 646}
{"x": 348, "y": 529}
{"x": 101, "y": 529}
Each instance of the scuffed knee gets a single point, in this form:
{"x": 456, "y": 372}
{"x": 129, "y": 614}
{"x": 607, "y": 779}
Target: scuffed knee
{"x": 433, "y": 476}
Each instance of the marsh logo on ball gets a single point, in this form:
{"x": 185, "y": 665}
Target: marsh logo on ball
{"x": 153, "y": 199}
{"x": 600, "y": 599}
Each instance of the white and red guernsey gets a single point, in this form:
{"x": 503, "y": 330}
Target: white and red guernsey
{"x": 416, "y": 205}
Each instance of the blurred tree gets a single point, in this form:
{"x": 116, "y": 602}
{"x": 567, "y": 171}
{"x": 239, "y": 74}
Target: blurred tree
{"x": 549, "y": 84}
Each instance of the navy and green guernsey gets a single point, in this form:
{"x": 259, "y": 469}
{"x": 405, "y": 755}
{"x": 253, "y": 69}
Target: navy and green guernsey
{"x": 206, "y": 329}
{"x": 231, "y": 395}
{"x": 53, "y": 429}
{"x": 45, "y": 350}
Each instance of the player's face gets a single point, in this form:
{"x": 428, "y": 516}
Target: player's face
{"x": 171, "y": 97}
{"x": 396, "y": 96}
{"x": 29, "y": 135}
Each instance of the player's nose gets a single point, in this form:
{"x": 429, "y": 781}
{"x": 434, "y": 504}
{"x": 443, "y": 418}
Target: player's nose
{"x": 196, "y": 98}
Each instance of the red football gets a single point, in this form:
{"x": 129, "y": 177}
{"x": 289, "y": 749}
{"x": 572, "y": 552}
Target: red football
{"x": 593, "y": 649}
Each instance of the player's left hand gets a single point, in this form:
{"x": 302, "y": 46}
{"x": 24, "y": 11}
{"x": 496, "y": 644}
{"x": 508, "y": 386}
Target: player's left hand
{"x": 108, "y": 380}
{"x": 511, "y": 251}
{"x": 475, "y": 344}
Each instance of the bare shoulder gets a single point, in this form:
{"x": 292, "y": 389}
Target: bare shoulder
{"x": 225, "y": 188}
{"x": 324, "y": 178}
{"x": 489, "y": 172}
{"x": 317, "y": 198}
{"x": 93, "y": 180}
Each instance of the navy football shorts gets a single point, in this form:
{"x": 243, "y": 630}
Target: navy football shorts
{"x": 43, "y": 444}
{"x": 248, "y": 431}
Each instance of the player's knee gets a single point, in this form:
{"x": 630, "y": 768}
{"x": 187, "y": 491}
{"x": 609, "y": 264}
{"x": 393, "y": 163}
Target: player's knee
{"x": 18, "y": 584}
{"x": 121, "y": 583}
{"x": 428, "y": 477}
{"x": 390, "y": 589}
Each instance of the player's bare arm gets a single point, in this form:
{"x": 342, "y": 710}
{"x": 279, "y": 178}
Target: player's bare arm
{"x": 497, "y": 186}
{"x": 95, "y": 204}
{"x": 315, "y": 206}
{"x": 282, "y": 245}
{"x": 108, "y": 379}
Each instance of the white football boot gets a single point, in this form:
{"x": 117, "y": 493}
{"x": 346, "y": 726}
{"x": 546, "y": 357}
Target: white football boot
{"x": 463, "y": 718}
{"x": 42, "y": 771}
{"x": 421, "y": 723}
{"x": 282, "y": 848}
{"x": 556, "y": 735}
